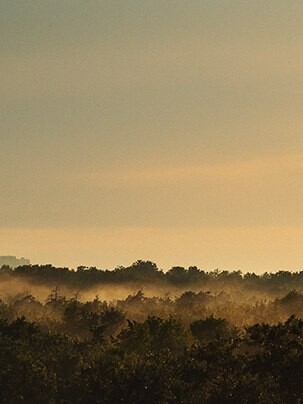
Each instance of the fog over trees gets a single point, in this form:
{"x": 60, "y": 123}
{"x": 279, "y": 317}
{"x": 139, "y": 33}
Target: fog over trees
{"x": 140, "y": 335}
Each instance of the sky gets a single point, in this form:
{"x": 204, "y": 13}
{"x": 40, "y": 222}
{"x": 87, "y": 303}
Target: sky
{"x": 168, "y": 131}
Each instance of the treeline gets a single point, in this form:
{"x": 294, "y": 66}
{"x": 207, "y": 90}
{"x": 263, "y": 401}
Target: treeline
{"x": 79, "y": 317}
{"x": 184, "y": 336}
{"x": 146, "y": 273}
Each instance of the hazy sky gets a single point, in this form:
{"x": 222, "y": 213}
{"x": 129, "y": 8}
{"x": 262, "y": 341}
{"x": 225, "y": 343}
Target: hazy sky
{"x": 163, "y": 130}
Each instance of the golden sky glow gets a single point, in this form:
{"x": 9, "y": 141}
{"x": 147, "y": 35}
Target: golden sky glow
{"x": 162, "y": 130}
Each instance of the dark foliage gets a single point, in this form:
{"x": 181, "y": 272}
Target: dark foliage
{"x": 205, "y": 345}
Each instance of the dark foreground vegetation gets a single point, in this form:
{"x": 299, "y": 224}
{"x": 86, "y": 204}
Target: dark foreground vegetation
{"x": 138, "y": 335}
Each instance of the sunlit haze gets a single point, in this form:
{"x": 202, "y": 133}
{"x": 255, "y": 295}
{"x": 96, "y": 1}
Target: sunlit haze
{"x": 169, "y": 131}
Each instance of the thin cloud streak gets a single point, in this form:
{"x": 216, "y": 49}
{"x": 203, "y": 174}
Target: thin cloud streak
{"x": 235, "y": 171}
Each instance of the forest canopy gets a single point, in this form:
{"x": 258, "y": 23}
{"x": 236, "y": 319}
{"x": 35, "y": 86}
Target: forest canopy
{"x": 138, "y": 334}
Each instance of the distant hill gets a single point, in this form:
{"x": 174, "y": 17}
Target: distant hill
{"x": 13, "y": 261}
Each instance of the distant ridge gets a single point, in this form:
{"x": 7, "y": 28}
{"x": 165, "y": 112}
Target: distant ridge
{"x": 13, "y": 261}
